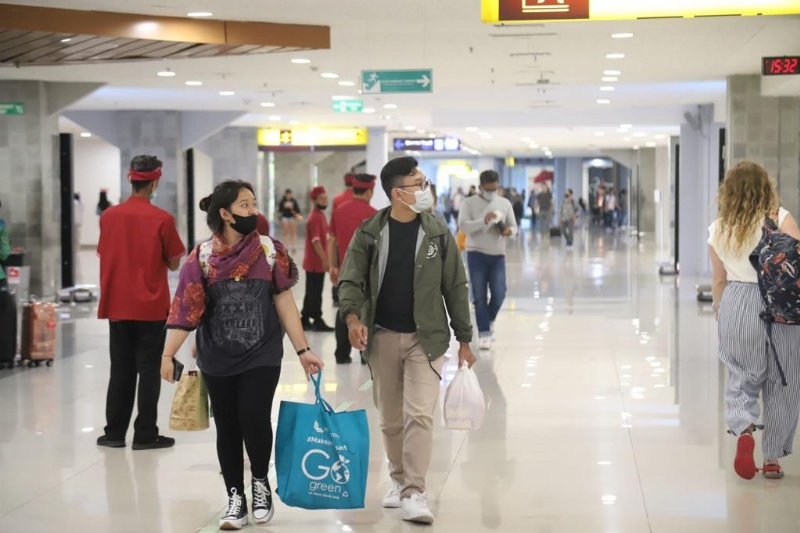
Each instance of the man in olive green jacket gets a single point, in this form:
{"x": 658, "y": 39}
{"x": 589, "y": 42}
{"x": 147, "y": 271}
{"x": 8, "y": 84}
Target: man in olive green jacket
{"x": 402, "y": 275}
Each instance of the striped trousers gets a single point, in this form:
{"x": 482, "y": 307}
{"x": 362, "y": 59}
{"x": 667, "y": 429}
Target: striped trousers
{"x": 752, "y": 370}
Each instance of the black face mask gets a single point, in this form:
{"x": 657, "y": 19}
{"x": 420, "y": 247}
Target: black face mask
{"x": 245, "y": 225}
{"x": 322, "y": 207}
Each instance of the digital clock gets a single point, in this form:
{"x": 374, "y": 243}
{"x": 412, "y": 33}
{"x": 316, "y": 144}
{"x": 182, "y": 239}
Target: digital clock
{"x": 779, "y": 66}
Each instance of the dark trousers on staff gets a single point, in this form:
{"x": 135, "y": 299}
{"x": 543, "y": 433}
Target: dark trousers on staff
{"x": 136, "y": 348}
{"x": 312, "y": 303}
{"x": 242, "y": 407}
{"x": 343, "y": 347}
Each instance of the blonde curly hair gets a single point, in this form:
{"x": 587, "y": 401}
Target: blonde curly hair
{"x": 746, "y": 198}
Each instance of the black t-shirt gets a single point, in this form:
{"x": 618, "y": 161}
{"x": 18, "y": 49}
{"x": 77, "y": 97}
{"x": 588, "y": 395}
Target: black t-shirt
{"x": 288, "y": 208}
{"x": 395, "y": 309}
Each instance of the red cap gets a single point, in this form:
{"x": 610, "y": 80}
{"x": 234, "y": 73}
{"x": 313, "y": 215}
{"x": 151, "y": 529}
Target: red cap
{"x": 349, "y": 178}
{"x": 317, "y": 191}
{"x": 145, "y": 176}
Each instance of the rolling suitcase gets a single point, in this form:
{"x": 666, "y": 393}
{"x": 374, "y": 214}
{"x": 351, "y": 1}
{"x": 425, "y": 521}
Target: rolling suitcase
{"x": 555, "y": 231}
{"x": 38, "y": 343}
{"x": 8, "y": 329}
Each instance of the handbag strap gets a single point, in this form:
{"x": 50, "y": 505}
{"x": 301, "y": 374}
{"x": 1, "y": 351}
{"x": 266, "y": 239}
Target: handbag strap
{"x": 317, "y": 380}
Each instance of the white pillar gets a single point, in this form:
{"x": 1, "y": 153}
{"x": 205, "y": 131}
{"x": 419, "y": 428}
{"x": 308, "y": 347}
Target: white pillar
{"x": 377, "y": 157}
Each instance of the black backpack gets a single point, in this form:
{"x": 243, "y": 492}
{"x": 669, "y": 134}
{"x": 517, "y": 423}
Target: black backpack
{"x": 777, "y": 263}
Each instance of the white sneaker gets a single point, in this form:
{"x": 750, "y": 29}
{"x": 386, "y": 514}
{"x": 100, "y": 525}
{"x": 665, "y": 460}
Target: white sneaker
{"x": 263, "y": 510}
{"x": 236, "y": 516}
{"x": 485, "y": 342}
{"x": 415, "y": 509}
{"x": 491, "y": 328}
{"x": 392, "y": 498}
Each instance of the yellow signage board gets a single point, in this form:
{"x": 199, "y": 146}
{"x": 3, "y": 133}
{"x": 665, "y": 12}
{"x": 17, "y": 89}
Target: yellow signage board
{"x": 312, "y": 137}
{"x": 522, "y": 11}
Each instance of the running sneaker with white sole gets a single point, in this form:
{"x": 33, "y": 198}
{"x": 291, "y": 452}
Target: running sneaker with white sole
{"x": 415, "y": 509}
{"x": 263, "y": 510}
{"x": 392, "y": 498}
{"x": 485, "y": 342}
{"x": 236, "y": 516}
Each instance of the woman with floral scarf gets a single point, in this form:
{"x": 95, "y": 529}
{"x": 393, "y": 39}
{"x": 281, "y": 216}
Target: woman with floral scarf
{"x": 236, "y": 291}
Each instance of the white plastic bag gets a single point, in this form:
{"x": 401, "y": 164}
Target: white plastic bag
{"x": 464, "y": 406}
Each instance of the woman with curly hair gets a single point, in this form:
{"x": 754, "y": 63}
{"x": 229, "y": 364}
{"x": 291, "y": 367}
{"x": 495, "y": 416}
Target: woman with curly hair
{"x": 747, "y": 198}
{"x": 236, "y": 290}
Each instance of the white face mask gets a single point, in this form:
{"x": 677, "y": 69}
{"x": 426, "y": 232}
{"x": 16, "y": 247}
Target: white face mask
{"x": 424, "y": 200}
{"x": 489, "y": 195}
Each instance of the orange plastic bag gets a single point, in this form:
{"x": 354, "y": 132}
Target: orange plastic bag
{"x": 461, "y": 241}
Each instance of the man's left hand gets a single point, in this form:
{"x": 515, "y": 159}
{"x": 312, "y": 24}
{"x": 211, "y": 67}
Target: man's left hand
{"x": 507, "y": 232}
{"x": 465, "y": 355}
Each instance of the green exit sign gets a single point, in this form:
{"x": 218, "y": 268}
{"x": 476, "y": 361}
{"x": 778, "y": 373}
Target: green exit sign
{"x": 12, "y": 108}
{"x": 348, "y": 106}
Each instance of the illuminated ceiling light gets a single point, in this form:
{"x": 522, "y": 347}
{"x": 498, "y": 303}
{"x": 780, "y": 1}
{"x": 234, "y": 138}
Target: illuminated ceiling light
{"x": 386, "y": 117}
{"x": 86, "y": 135}
{"x": 329, "y": 75}
{"x": 615, "y": 56}
{"x": 472, "y": 128}
{"x": 636, "y": 148}
{"x": 626, "y": 126}
{"x": 409, "y": 128}
{"x": 533, "y": 146}
{"x": 660, "y": 136}
{"x": 226, "y": 93}
{"x": 294, "y": 122}
{"x": 194, "y": 83}
{"x": 301, "y": 61}
{"x": 650, "y": 145}
{"x": 167, "y": 73}
{"x": 609, "y": 78}
{"x": 612, "y": 72}
{"x": 421, "y": 132}
{"x": 267, "y": 104}
{"x": 347, "y": 83}
{"x": 200, "y": 14}
{"x": 640, "y": 134}
{"x": 627, "y": 139}
{"x": 621, "y": 35}
{"x": 603, "y": 101}
{"x": 390, "y": 106}
{"x": 607, "y": 88}
{"x": 368, "y": 110}
{"x": 526, "y": 139}
{"x": 274, "y": 118}
{"x": 68, "y": 39}
{"x": 431, "y": 136}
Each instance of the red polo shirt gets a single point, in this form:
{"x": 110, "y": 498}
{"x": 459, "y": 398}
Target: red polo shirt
{"x": 341, "y": 199}
{"x": 136, "y": 241}
{"x": 316, "y": 231}
{"x": 345, "y": 222}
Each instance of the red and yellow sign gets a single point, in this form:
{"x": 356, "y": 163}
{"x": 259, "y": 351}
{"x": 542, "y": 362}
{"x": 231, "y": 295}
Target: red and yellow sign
{"x": 522, "y": 11}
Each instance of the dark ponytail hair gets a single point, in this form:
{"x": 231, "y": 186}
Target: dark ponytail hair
{"x": 223, "y": 197}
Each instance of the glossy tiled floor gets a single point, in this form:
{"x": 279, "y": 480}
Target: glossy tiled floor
{"x": 604, "y": 415}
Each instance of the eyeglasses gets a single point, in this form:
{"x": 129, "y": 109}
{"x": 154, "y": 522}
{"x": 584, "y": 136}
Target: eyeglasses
{"x": 422, "y": 186}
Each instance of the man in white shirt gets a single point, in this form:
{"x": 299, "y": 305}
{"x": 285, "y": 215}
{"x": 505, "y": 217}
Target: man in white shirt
{"x": 488, "y": 220}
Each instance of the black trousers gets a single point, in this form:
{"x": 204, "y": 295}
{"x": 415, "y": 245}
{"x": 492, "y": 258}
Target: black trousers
{"x": 136, "y": 349}
{"x": 243, "y": 412}
{"x": 343, "y": 346}
{"x": 312, "y": 303}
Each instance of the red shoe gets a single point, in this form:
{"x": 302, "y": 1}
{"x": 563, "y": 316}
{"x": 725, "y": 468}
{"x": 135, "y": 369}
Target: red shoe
{"x": 772, "y": 471}
{"x": 744, "y": 464}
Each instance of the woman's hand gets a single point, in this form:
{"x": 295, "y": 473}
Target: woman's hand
{"x": 167, "y": 369}
{"x": 311, "y": 363}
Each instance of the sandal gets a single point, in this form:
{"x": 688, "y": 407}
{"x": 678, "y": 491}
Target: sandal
{"x": 772, "y": 471}
{"x": 745, "y": 464}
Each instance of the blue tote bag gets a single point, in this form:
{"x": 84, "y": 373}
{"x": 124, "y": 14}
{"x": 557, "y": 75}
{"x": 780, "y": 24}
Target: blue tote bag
{"x": 321, "y": 457}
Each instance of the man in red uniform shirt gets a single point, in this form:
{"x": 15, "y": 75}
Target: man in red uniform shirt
{"x": 138, "y": 243}
{"x": 344, "y": 223}
{"x": 315, "y": 262}
{"x": 347, "y": 195}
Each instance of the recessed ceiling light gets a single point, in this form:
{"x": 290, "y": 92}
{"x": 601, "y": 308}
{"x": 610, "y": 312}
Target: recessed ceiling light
{"x": 472, "y": 128}
{"x": 607, "y": 88}
{"x": 68, "y": 39}
{"x": 422, "y": 132}
{"x": 626, "y": 126}
{"x": 301, "y": 61}
{"x": 546, "y": 149}
{"x": 636, "y": 147}
{"x": 609, "y": 78}
{"x": 226, "y": 93}
{"x": 368, "y": 110}
{"x": 526, "y": 139}
{"x": 274, "y": 118}
{"x": 431, "y": 135}
{"x": 626, "y": 139}
{"x": 294, "y": 122}
{"x": 612, "y": 72}
{"x": 640, "y": 134}
{"x": 267, "y": 104}
{"x": 347, "y": 84}
{"x": 200, "y": 14}
{"x": 621, "y": 35}
{"x": 409, "y": 128}
{"x": 603, "y": 101}
{"x": 167, "y": 73}
{"x": 386, "y": 117}
{"x": 659, "y": 136}
{"x": 329, "y": 75}
{"x": 390, "y": 106}
{"x": 86, "y": 134}
{"x": 533, "y": 146}
{"x": 615, "y": 56}
{"x": 650, "y": 144}
{"x": 194, "y": 83}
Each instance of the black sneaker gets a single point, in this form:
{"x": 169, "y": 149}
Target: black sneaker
{"x": 236, "y": 516}
{"x": 263, "y": 511}
{"x": 307, "y": 326}
{"x": 160, "y": 442}
{"x": 321, "y": 326}
{"x": 110, "y": 443}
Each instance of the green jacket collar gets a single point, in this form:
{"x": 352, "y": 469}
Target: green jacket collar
{"x": 431, "y": 225}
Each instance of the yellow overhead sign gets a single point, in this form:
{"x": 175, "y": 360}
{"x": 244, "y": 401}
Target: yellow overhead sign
{"x": 521, "y": 11}
{"x": 312, "y": 137}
